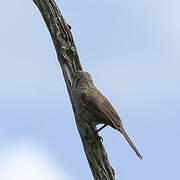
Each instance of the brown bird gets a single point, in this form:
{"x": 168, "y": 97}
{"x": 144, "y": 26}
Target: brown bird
{"x": 93, "y": 107}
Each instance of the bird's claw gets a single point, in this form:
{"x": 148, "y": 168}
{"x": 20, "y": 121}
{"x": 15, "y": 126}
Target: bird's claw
{"x": 101, "y": 139}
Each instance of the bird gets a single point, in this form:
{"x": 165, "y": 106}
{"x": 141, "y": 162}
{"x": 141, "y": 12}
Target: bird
{"x": 91, "y": 105}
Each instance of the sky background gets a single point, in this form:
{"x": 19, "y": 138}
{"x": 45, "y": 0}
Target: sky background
{"x": 131, "y": 49}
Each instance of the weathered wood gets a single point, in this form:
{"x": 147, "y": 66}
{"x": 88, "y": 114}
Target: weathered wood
{"x": 69, "y": 61}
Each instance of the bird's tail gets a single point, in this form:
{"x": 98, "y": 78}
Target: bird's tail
{"x": 131, "y": 143}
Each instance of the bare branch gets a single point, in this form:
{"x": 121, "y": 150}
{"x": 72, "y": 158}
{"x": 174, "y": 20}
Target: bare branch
{"x": 68, "y": 58}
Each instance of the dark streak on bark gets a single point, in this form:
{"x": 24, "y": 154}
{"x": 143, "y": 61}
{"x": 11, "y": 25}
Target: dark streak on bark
{"x": 69, "y": 61}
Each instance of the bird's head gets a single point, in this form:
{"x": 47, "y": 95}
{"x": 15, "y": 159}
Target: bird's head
{"x": 81, "y": 79}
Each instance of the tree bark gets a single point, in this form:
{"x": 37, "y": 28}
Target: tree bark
{"x": 69, "y": 61}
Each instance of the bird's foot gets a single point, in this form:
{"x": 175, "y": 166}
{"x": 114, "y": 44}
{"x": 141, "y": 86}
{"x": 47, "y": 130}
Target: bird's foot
{"x": 101, "y": 139}
{"x": 98, "y": 137}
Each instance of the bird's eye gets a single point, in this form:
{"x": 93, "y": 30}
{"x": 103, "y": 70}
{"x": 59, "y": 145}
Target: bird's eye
{"x": 76, "y": 73}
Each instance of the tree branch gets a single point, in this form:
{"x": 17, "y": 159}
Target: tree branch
{"x": 69, "y": 61}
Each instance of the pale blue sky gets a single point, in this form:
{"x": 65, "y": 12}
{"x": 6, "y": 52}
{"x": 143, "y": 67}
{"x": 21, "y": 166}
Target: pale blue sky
{"x": 131, "y": 49}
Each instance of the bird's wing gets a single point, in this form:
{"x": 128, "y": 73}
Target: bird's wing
{"x": 101, "y": 108}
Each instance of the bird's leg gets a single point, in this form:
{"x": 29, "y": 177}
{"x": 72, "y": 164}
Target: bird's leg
{"x": 101, "y": 128}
